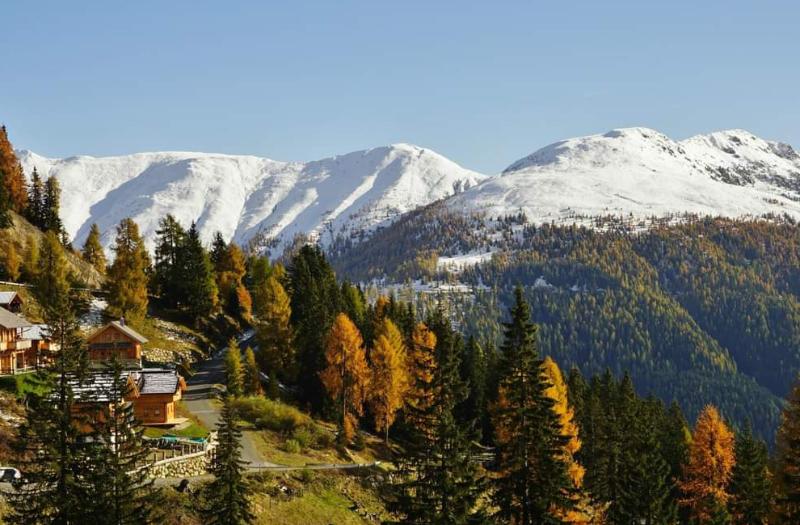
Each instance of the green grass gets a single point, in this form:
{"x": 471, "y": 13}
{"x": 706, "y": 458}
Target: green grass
{"x": 21, "y": 384}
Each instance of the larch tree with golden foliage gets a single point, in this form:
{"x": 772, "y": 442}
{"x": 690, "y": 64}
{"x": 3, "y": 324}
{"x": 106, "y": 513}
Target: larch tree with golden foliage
{"x": 582, "y": 510}
{"x": 347, "y": 374}
{"x": 274, "y": 333}
{"x": 421, "y": 364}
{"x": 230, "y": 272}
{"x": 711, "y": 461}
{"x": 11, "y": 262}
{"x": 389, "y": 383}
{"x": 11, "y": 174}
{"x": 127, "y": 277}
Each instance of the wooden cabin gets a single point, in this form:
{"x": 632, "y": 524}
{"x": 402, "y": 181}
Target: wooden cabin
{"x": 116, "y": 337}
{"x": 11, "y": 301}
{"x": 159, "y": 391}
{"x": 14, "y": 344}
{"x": 42, "y": 348}
{"x": 154, "y": 394}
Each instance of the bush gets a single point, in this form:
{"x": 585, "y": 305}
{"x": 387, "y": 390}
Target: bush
{"x": 306, "y": 476}
{"x": 266, "y": 414}
{"x": 304, "y": 436}
{"x": 292, "y": 446}
{"x": 359, "y": 443}
{"x": 325, "y": 439}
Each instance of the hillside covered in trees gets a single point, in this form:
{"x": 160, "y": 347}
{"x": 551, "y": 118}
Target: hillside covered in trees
{"x": 700, "y": 310}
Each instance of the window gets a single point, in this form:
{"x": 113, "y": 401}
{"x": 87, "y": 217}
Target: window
{"x": 157, "y": 412}
{"x": 108, "y": 337}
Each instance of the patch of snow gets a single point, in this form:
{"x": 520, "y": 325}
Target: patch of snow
{"x": 457, "y": 263}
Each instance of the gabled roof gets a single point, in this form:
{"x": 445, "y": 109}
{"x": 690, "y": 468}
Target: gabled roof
{"x": 95, "y": 388}
{"x": 7, "y": 297}
{"x": 9, "y": 320}
{"x": 130, "y": 332}
{"x": 159, "y": 381}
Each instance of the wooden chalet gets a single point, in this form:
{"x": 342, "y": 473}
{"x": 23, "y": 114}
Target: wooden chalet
{"x": 16, "y": 355}
{"x": 11, "y": 301}
{"x": 116, "y": 337}
{"x": 153, "y": 392}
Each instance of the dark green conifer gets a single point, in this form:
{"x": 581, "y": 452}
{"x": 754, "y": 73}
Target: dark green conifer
{"x": 170, "y": 261}
{"x": 200, "y": 286}
{"x": 749, "y": 487}
{"x": 228, "y": 496}
{"x": 532, "y": 484}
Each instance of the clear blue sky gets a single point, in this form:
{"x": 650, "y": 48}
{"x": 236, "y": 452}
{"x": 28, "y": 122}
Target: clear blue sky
{"x": 483, "y": 83}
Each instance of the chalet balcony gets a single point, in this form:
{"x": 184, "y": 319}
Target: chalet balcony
{"x": 126, "y": 363}
{"x": 19, "y": 344}
{"x": 5, "y": 371}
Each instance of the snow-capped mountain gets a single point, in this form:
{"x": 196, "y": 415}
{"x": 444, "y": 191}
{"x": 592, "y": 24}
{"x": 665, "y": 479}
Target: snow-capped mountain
{"x": 643, "y": 173}
{"x": 247, "y": 197}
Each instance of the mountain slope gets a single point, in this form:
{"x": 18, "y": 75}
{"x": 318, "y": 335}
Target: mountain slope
{"x": 643, "y": 173}
{"x": 247, "y": 197}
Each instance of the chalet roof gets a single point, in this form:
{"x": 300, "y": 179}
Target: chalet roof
{"x": 9, "y": 320}
{"x": 95, "y": 388}
{"x": 158, "y": 381}
{"x": 130, "y": 332}
{"x": 39, "y": 332}
{"x": 7, "y": 297}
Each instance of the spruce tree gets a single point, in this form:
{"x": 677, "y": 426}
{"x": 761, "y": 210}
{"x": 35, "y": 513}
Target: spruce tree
{"x": 438, "y": 482}
{"x": 532, "y": 483}
{"x": 52, "y": 445}
{"x": 170, "y": 261}
{"x": 751, "y": 493}
{"x": 51, "y": 210}
{"x": 227, "y": 496}
{"x": 217, "y": 251}
{"x": 314, "y": 293}
{"x": 35, "y": 211}
{"x": 93, "y": 251}
{"x": 473, "y": 372}
{"x": 121, "y": 492}
{"x": 234, "y": 371}
{"x": 201, "y": 290}
{"x": 127, "y": 277}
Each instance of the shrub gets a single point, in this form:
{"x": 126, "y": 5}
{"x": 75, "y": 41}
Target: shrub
{"x": 267, "y": 414}
{"x": 325, "y": 439}
{"x": 292, "y": 446}
{"x": 306, "y": 476}
{"x": 359, "y": 443}
{"x": 304, "y": 436}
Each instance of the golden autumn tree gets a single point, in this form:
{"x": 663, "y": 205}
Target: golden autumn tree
{"x": 347, "y": 374}
{"x": 11, "y": 262}
{"x": 711, "y": 461}
{"x": 421, "y": 364}
{"x": 277, "y": 355}
{"x": 127, "y": 277}
{"x": 231, "y": 269}
{"x": 11, "y": 174}
{"x": 787, "y": 459}
{"x": 583, "y": 512}
{"x": 389, "y": 380}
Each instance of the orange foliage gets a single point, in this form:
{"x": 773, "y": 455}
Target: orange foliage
{"x": 421, "y": 363}
{"x": 389, "y": 382}
{"x": 14, "y": 177}
{"x": 711, "y": 461}
{"x": 347, "y": 374}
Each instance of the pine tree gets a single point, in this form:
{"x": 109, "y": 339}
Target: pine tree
{"x": 787, "y": 459}
{"x": 751, "y": 493}
{"x": 93, "y": 251}
{"x": 11, "y": 175}
{"x": 170, "y": 261}
{"x": 121, "y": 492}
{"x": 227, "y": 497}
{"x": 201, "y": 290}
{"x": 127, "y": 277}
{"x": 252, "y": 379}
{"x": 217, "y": 251}
{"x": 314, "y": 292}
{"x": 347, "y": 375}
{"x": 390, "y": 381}
{"x": 51, "y": 209}
{"x": 647, "y": 488}
{"x": 273, "y": 331}
{"x": 234, "y": 370}
{"x": 35, "y": 210}
{"x": 438, "y": 482}
{"x": 52, "y": 444}
{"x": 473, "y": 371}
{"x": 711, "y": 462}
{"x": 533, "y": 484}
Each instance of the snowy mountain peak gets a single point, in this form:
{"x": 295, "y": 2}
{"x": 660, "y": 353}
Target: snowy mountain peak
{"x": 249, "y": 198}
{"x": 642, "y": 173}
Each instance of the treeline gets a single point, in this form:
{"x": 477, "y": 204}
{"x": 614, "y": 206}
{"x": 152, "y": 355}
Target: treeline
{"x": 702, "y": 310}
{"x": 562, "y": 450}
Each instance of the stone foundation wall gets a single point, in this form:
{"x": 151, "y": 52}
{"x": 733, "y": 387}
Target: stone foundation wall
{"x": 183, "y": 467}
